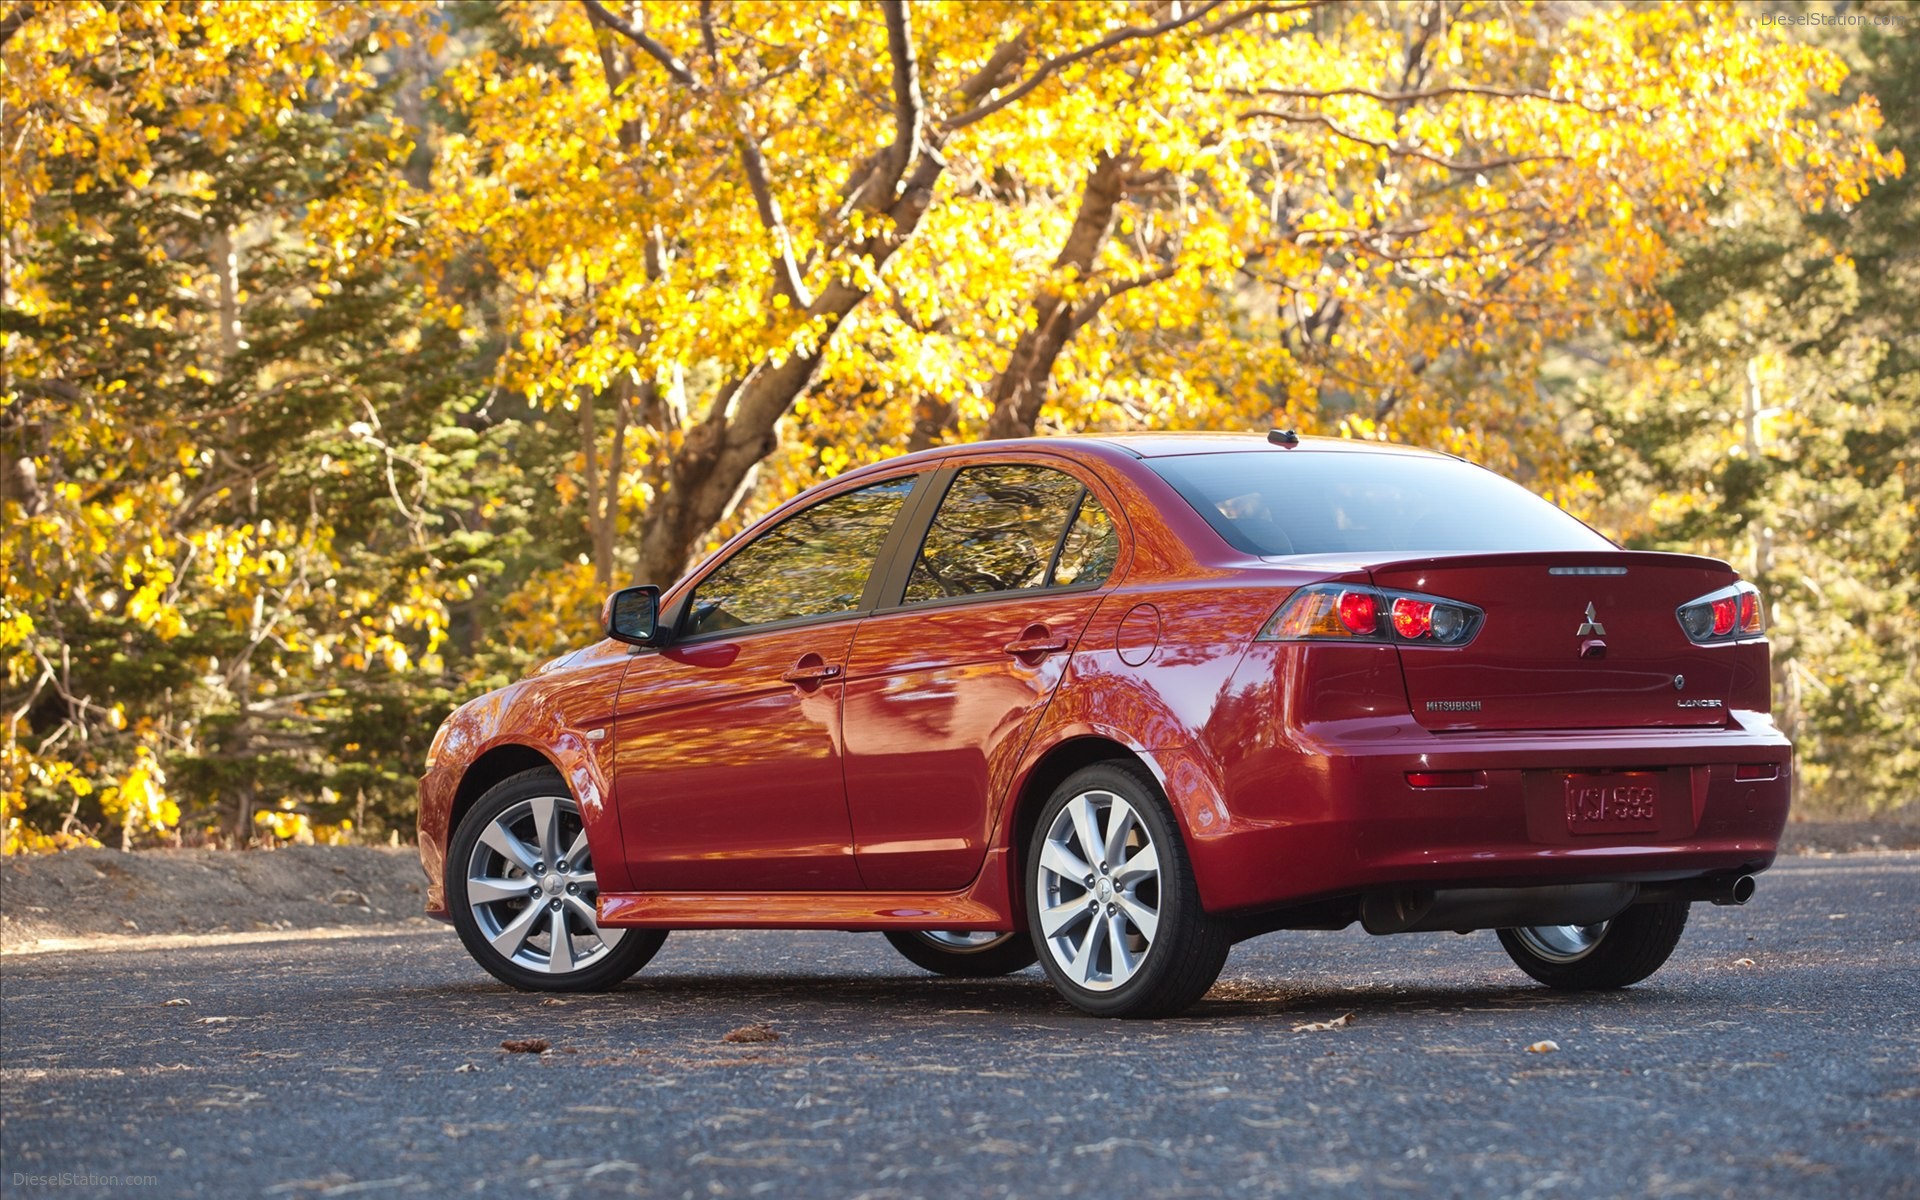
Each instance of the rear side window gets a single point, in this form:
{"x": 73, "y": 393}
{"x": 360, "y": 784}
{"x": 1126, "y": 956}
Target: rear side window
{"x": 1276, "y": 503}
{"x": 814, "y": 563}
{"x": 1010, "y": 528}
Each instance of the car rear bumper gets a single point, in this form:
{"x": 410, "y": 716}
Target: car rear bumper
{"x": 1335, "y": 814}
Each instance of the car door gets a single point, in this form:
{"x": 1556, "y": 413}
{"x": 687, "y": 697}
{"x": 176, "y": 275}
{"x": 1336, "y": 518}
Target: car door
{"x": 728, "y": 741}
{"x": 946, "y": 684}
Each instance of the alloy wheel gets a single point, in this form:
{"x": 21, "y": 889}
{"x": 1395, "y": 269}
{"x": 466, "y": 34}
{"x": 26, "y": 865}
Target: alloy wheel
{"x": 1099, "y": 891}
{"x": 1561, "y": 943}
{"x": 531, "y": 888}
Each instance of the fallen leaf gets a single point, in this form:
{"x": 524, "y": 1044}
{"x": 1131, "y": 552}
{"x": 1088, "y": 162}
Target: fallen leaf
{"x": 751, "y": 1033}
{"x": 1543, "y": 1047}
{"x": 1744, "y": 962}
{"x": 525, "y": 1045}
{"x": 1340, "y": 1022}
{"x": 177, "y": 1004}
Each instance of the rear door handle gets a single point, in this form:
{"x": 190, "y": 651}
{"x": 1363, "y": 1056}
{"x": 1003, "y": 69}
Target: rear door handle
{"x": 1035, "y": 643}
{"x": 804, "y": 672}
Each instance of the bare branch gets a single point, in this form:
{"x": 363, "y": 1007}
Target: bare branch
{"x": 1420, "y": 94}
{"x": 1005, "y": 56}
{"x": 11, "y": 23}
{"x": 1091, "y": 306}
{"x": 786, "y": 276}
{"x": 599, "y": 14}
{"x": 1060, "y": 62}
{"x": 1395, "y": 148}
{"x": 909, "y": 110}
{"x": 874, "y": 181}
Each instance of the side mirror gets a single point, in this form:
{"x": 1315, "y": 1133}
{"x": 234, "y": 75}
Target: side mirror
{"x": 632, "y": 615}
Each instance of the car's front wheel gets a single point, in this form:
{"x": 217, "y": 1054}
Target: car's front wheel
{"x": 521, "y": 889}
{"x": 1112, "y": 903}
{"x": 965, "y": 955}
{"x": 1611, "y": 954}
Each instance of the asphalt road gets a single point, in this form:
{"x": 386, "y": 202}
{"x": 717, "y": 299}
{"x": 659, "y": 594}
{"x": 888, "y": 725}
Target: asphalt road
{"x": 373, "y": 1065}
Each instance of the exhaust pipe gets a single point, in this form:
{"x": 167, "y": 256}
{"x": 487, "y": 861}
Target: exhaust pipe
{"x": 1464, "y": 909}
{"x": 1724, "y": 889}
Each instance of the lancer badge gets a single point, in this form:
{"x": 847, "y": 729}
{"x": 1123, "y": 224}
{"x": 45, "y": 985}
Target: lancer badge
{"x": 1591, "y": 627}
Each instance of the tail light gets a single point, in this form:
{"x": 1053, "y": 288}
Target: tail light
{"x": 1339, "y": 612}
{"x": 1727, "y": 615}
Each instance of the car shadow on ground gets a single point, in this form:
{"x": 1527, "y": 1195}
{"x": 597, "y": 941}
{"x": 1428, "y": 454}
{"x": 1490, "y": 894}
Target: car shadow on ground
{"x": 1027, "y": 995}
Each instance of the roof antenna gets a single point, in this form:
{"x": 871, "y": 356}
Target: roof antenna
{"x": 1283, "y": 437}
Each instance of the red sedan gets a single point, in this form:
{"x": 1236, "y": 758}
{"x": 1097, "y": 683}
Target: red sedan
{"x": 1117, "y": 703}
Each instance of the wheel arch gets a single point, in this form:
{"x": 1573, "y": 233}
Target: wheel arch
{"x": 499, "y": 763}
{"x": 1054, "y": 766}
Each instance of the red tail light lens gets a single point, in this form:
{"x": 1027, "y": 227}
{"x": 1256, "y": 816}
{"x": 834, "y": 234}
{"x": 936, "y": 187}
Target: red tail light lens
{"x": 1725, "y": 616}
{"x": 1722, "y": 616}
{"x": 1412, "y": 618}
{"x": 1357, "y": 612}
{"x": 1332, "y": 611}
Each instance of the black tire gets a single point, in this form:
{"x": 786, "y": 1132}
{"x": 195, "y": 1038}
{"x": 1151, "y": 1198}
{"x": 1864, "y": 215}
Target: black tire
{"x": 612, "y": 957}
{"x": 1183, "y": 954}
{"x": 938, "y": 953}
{"x": 1620, "y": 952}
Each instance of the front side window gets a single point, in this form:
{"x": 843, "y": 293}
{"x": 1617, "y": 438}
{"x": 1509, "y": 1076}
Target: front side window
{"x": 1011, "y": 528}
{"x": 814, "y": 563}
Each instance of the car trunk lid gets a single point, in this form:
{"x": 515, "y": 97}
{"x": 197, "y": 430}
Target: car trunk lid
{"x": 1580, "y": 640}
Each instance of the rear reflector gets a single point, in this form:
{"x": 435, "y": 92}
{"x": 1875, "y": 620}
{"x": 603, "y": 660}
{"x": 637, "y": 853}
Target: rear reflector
{"x": 1445, "y": 779}
{"x": 1756, "y": 771}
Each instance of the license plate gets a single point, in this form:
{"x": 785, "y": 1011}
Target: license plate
{"x": 1620, "y": 802}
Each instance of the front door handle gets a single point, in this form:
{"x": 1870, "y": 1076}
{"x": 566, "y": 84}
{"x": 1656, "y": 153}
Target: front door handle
{"x": 1035, "y": 643}
{"x": 810, "y": 671}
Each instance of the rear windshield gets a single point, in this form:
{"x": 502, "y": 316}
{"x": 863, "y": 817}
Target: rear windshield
{"x": 1274, "y": 502}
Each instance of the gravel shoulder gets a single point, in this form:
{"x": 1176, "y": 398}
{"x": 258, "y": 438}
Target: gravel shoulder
{"x": 106, "y": 894}
{"x": 86, "y": 897}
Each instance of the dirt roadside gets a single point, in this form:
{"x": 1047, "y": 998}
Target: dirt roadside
{"x": 86, "y": 894}
{"x": 106, "y": 896}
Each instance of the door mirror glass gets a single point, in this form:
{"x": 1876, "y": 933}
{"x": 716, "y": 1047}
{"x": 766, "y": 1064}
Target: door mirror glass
{"x": 632, "y": 615}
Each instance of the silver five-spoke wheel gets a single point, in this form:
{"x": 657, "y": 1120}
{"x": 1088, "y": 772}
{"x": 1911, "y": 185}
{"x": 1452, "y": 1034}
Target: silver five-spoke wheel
{"x": 1099, "y": 877}
{"x": 531, "y": 888}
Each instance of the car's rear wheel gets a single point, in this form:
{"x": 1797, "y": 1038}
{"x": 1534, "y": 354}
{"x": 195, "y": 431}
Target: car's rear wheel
{"x": 963, "y": 954}
{"x": 1112, "y": 904}
{"x": 1611, "y": 954}
{"x": 521, "y": 889}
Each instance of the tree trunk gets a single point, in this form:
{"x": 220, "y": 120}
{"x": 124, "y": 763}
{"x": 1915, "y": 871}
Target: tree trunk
{"x": 705, "y": 476}
{"x": 1021, "y": 387}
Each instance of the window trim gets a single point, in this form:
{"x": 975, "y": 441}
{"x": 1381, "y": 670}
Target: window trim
{"x": 903, "y": 520}
{"x": 893, "y": 596}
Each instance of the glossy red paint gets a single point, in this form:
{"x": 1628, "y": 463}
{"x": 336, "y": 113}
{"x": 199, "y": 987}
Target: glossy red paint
{"x": 893, "y": 794}
{"x": 728, "y": 775}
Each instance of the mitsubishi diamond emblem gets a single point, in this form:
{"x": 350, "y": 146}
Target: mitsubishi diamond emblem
{"x": 1591, "y": 627}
